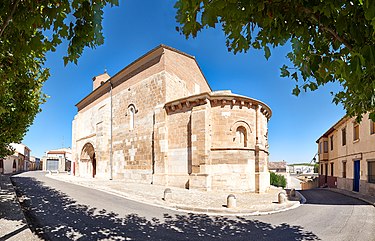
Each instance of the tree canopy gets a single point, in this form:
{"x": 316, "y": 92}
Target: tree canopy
{"x": 28, "y": 30}
{"x": 331, "y": 40}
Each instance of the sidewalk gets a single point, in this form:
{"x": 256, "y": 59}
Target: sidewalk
{"x": 187, "y": 200}
{"x": 365, "y": 198}
{"x": 13, "y": 224}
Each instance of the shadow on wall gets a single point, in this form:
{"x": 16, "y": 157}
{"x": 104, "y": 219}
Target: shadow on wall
{"x": 61, "y": 218}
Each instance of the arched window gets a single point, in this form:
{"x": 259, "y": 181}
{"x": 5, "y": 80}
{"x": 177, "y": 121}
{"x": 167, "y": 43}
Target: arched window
{"x": 241, "y": 136}
{"x": 131, "y": 117}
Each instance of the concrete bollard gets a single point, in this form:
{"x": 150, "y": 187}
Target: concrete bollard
{"x": 282, "y": 197}
{"x": 231, "y": 201}
{"x": 292, "y": 192}
{"x": 167, "y": 194}
{"x": 49, "y": 172}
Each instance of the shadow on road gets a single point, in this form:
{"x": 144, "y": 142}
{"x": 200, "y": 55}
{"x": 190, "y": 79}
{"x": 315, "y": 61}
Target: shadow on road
{"x": 9, "y": 209}
{"x": 327, "y": 197}
{"x": 55, "y": 216}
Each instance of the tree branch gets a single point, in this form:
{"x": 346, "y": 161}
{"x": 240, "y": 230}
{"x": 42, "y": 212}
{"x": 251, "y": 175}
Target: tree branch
{"x": 327, "y": 29}
{"x": 10, "y": 16}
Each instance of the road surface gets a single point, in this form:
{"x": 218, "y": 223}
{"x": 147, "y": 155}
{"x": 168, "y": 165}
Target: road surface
{"x": 63, "y": 211}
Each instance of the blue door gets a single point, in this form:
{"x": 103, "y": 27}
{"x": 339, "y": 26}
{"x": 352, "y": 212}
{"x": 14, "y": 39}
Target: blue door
{"x": 356, "y": 176}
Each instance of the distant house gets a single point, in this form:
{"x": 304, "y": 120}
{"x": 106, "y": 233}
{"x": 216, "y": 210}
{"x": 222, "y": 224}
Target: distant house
{"x": 18, "y": 161}
{"x": 24, "y": 154}
{"x": 278, "y": 167}
{"x": 301, "y": 168}
{"x": 57, "y": 160}
{"x": 35, "y": 163}
{"x": 347, "y": 155}
{"x": 10, "y": 164}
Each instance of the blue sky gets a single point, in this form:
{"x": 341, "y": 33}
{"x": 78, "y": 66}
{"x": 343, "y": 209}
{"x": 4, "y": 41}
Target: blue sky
{"x": 137, "y": 27}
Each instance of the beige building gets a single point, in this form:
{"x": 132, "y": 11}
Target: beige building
{"x": 17, "y": 162}
{"x": 347, "y": 156}
{"x": 158, "y": 121}
{"x": 57, "y": 160}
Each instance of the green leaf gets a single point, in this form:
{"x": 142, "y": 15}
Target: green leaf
{"x": 331, "y": 41}
{"x": 284, "y": 71}
{"x": 295, "y": 76}
{"x": 296, "y": 91}
{"x": 267, "y": 52}
{"x": 37, "y": 27}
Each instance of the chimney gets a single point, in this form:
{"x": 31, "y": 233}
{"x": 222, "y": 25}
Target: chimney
{"x": 99, "y": 80}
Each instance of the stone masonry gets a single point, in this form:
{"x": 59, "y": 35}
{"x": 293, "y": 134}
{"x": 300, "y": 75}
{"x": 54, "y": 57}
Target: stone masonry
{"x": 157, "y": 121}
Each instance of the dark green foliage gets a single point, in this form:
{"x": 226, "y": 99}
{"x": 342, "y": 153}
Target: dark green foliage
{"x": 331, "y": 41}
{"x": 28, "y": 30}
{"x": 316, "y": 168}
{"x": 277, "y": 180}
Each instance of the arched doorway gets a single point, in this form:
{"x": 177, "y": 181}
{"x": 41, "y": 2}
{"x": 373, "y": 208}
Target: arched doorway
{"x": 14, "y": 166}
{"x": 1, "y": 166}
{"x": 88, "y": 160}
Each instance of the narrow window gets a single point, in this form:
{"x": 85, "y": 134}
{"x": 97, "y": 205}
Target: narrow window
{"x": 320, "y": 147}
{"x": 344, "y": 169}
{"x": 331, "y": 142}
{"x": 332, "y": 169}
{"x": 131, "y": 117}
{"x": 343, "y": 132}
{"x": 372, "y": 127}
{"x": 356, "y": 132}
{"x": 241, "y": 136}
{"x": 371, "y": 171}
{"x": 325, "y": 146}
{"x": 321, "y": 169}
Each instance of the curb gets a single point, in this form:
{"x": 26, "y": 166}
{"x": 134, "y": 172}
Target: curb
{"x": 349, "y": 195}
{"x": 32, "y": 236}
{"x": 188, "y": 209}
{"x": 303, "y": 199}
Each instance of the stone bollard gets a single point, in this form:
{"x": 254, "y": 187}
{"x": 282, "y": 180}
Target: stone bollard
{"x": 231, "y": 201}
{"x": 167, "y": 194}
{"x": 282, "y": 197}
{"x": 292, "y": 192}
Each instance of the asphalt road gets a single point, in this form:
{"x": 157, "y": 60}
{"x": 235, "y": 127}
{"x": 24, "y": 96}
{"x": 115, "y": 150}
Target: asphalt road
{"x": 62, "y": 211}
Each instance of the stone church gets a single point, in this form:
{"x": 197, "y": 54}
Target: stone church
{"x": 157, "y": 121}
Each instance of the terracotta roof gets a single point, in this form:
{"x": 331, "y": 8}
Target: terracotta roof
{"x": 56, "y": 152}
{"x": 277, "y": 165}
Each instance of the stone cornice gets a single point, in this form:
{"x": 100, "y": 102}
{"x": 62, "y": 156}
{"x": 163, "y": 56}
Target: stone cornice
{"x": 220, "y": 98}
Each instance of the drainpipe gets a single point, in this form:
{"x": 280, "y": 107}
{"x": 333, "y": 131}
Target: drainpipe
{"x": 110, "y": 134}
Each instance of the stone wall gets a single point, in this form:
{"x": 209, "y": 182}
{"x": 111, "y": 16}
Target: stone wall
{"x": 228, "y": 147}
{"x": 168, "y": 128}
{"x": 364, "y": 187}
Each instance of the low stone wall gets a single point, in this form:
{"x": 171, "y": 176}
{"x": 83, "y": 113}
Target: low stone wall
{"x": 310, "y": 184}
{"x": 364, "y": 187}
{"x": 367, "y": 188}
{"x": 328, "y": 181}
{"x": 345, "y": 183}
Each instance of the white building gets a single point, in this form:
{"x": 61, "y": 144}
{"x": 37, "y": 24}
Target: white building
{"x": 18, "y": 161}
